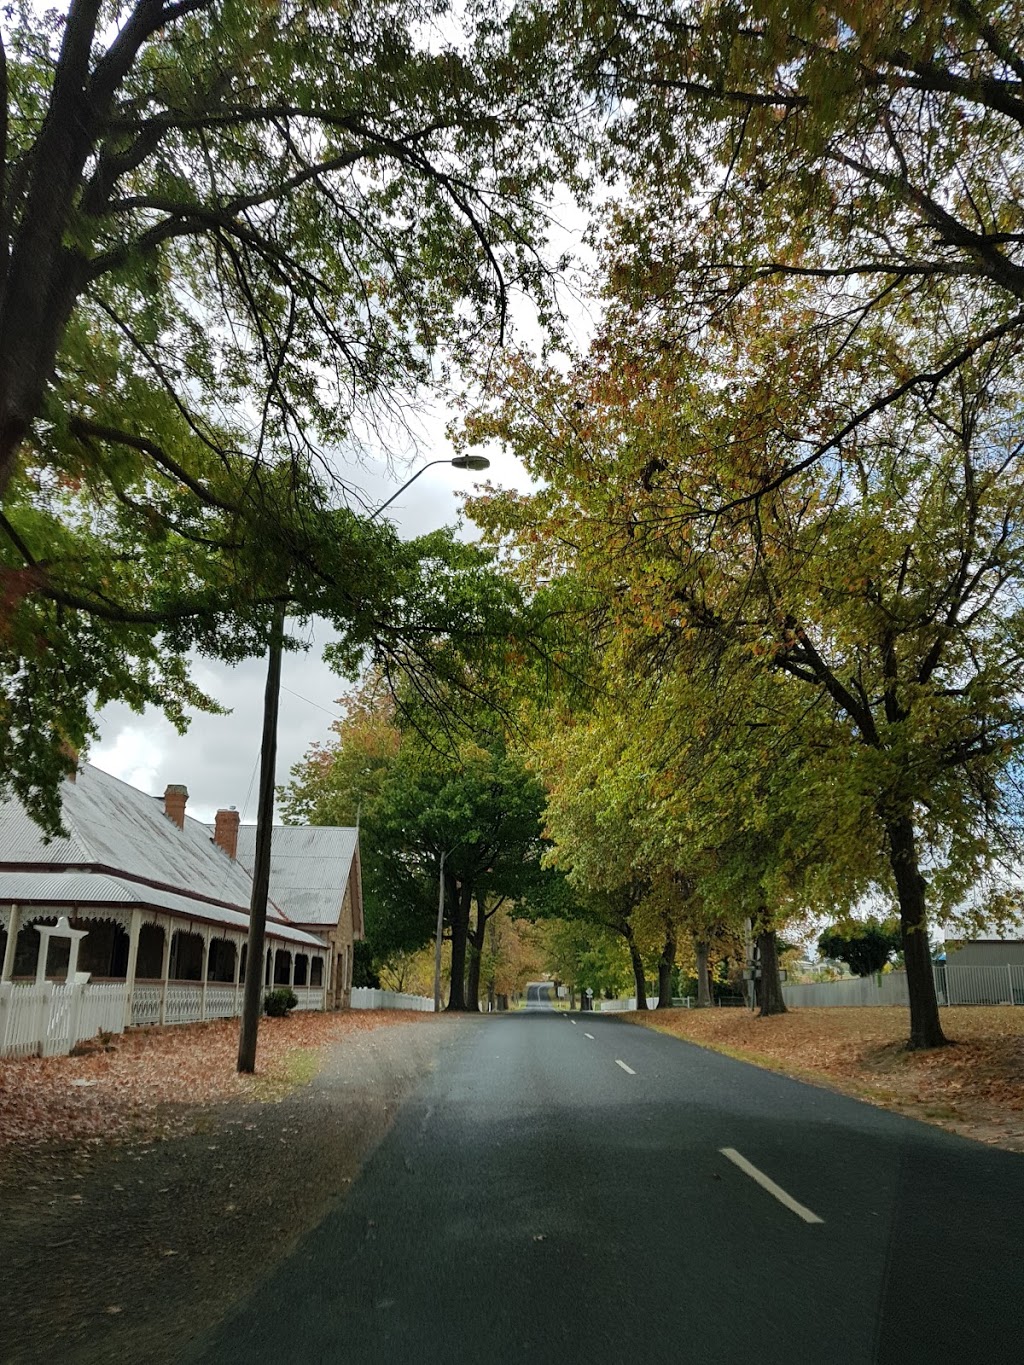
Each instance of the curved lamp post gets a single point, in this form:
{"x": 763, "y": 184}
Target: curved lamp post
{"x": 476, "y": 462}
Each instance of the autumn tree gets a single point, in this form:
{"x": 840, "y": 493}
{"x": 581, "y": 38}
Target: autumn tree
{"x": 874, "y": 597}
{"x": 876, "y": 152}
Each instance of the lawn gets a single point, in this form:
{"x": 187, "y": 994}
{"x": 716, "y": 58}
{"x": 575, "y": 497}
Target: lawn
{"x": 154, "y": 1081}
{"x": 975, "y": 1088}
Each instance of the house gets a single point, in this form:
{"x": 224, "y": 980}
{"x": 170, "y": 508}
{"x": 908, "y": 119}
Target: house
{"x": 165, "y": 906}
{"x": 315, "y": 879}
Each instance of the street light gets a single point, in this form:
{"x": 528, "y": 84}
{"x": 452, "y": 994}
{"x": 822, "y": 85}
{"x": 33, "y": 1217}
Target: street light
{"x": 475, "y": 462}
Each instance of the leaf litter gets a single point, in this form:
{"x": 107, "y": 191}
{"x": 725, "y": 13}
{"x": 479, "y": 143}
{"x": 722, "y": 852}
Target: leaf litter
{"x": 157, "y": 1081}
{"x": 975, "y": 1088}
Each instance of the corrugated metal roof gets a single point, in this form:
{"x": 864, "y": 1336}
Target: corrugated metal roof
{"x": 118, "y": 826}
{"x": 83, "y": 889}
{"x": 309, "y": 868}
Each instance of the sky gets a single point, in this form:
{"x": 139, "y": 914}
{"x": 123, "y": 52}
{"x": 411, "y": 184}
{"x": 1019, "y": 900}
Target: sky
{"x": 217, "y": 758}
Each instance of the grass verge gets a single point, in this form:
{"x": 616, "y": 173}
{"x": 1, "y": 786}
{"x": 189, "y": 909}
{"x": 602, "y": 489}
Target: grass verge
{"x": 975, "y": 1088}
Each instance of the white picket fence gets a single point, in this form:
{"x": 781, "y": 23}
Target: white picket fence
{"x": 366, "y": 998}
{"x": 48, "y": 1020}
{"x": 953, "y": 986}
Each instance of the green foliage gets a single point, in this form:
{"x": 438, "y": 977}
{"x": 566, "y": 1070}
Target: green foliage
{"x": 278, "y": 1003}
{"x": 586, "y": 954}
{"x": 419, "y": 793}
{"x": 233, "y": 243}
{"x": 363, "y": 972}
{"x": 866, "y": 946}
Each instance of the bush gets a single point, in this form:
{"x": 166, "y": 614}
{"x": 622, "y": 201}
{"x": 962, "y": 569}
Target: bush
{"x": 278, "y": 1003}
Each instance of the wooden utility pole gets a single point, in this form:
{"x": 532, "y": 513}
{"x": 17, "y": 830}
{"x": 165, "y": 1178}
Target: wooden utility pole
{"x": 252, "y": 1000}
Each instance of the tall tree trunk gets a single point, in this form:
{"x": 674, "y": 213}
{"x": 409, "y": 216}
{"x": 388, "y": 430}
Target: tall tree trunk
{"x": 493, "y": 938}
{"x": 703, "y": 950}
{"x": 638, "y": 973}
{"x": 460, "y": 903}
{"x": 925, "y": 1026}
{"x": 665, "y": 964}
{"x": 771, "y": 987}
{"x": 476, "y": 949}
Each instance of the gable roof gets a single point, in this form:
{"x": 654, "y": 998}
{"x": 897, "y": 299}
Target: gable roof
{"x": 113, "y": 828}
{"x": 310, "y": 866}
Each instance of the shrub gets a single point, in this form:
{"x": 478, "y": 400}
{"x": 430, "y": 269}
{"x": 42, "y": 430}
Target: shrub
{"x": 278, "y": 1003}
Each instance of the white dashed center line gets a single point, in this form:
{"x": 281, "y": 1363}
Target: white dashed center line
{"x": 588, "y": 1035}
{"x": 625, "y": 1068}
{"x": 767, "y": 1184}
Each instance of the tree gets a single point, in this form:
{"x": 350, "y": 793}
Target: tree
{"x": 421, "y": 793}
{"x": 866, "y": 946}
{"x": 230, "y": 240}
{"x": 871, "y": 604}
{"x": 875, "y": 152}
{"x": 229, "y": 201}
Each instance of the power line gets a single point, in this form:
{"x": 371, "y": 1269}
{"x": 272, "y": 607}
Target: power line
{"x": 311, "y": 703}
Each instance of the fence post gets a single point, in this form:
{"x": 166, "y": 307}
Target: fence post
{"x": 75, "y": 1013}
{"x": 6, "y": 1010}
{"x": 134, "y": 934}
{"x": 43, "y": 1009}
{"x": 165, "y": 968}
{"x": 206, "y": 972}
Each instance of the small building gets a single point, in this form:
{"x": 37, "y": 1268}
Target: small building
{"x": 164, "y": 904}
{"x": 315, "y": 879}
{"x": 985, "y": 952}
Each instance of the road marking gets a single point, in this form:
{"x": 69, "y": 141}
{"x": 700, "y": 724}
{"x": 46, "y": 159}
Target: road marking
{"x": 767, "y": 1184}
{"x": 572, "y": 1021}
{"x": 588, "y": 1035}
{"x": 625, "y": 1067}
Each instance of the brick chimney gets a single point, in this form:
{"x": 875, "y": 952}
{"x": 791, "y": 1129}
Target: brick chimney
{"x": 225, "y": 831}
{"x": 174, "y": 803}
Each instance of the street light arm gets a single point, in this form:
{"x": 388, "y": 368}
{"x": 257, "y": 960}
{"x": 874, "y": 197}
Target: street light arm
{"x": 476, "y": 462}
{"x": 405, "y": 485}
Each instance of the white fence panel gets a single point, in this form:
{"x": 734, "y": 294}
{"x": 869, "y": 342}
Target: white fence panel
{"x": 887, "y": 989}
{"x": 146, "y": 1003}
{"x": 980, "y": 985}
{"x": 61, "y": 1024}
{"x": 184, "y": 1003}
{"x": 222, "y": 1001}
{"x": 953, "y": 986}
{"x": 102, "y": 1010}
{"x": 23, "y": 1014}
{"x": 48, "y": 1020}
{"x": 309, "y": 997}
{"x": 366, "y": 998}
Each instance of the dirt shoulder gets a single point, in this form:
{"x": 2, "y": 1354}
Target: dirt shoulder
{"x": 975, "y": 1088}
{"x": 121, "y": 1248}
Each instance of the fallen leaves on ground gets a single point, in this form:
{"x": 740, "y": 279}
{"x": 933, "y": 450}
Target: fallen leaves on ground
{"x": 975, "y": 1088}
{"x": 155, "y": 1080}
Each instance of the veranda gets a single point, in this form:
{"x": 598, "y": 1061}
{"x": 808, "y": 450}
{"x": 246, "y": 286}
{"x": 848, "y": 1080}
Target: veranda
{"x": 113, "y": 967}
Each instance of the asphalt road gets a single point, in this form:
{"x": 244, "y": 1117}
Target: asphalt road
{"x": 569, "y": 1187}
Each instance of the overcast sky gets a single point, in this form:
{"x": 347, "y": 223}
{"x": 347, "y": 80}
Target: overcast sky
{"x": 217, "y": 758}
